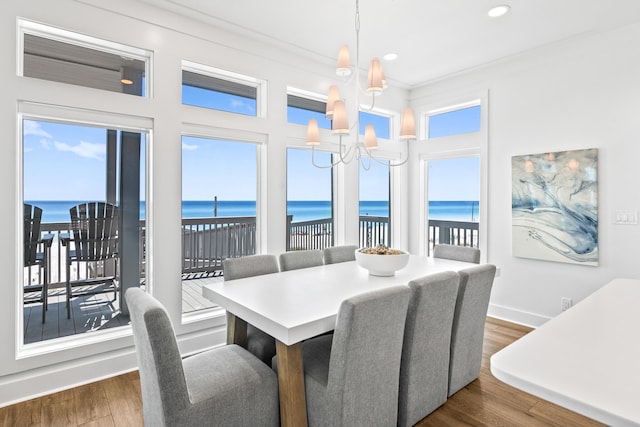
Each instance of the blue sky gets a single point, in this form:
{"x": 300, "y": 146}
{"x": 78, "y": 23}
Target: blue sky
{"x": 67, "y": 162}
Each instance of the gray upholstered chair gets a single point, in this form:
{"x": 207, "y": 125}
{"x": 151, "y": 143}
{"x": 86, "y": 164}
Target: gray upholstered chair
{"x": 351, "y": 377}
{"x": 300, "y": 259}
{"x": 259, "y": 343}
{"x": 457, "y": 253}
{"x": 248, "y": 266}
{"x": 224, "y": 386}
{"x": 339, "y": 254}
{"x": 467, "y": 334}
{"x": 424, "y": 371}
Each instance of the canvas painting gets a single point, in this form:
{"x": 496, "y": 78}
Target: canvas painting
{"x": 554, "y": 206}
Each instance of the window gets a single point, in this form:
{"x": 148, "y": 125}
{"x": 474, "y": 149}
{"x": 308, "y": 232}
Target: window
{"x": 208, "y": 87}
{"x": 453, "y": 188}
{"x": 219, "y": 187}
{"x": 309, "y": 201}
{"x": 67, "y": 164}
{"x": 454, "y": 122}
{"x": 300, "y": 110}
{"x": 375, "y": 196}
{"x": 65, "y": 57}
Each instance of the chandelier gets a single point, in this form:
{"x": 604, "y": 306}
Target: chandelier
{"x": 336, "y": 111}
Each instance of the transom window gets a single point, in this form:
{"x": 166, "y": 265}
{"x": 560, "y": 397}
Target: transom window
{"x": 300, "y": 110}
{"x": 65, "y": 57}
{"x": 454, "y": 122}
{"x": 216, "y": 89}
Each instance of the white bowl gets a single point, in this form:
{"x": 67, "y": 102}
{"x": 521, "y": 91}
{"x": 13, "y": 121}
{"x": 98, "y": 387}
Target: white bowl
{"x": 382, "y": 265}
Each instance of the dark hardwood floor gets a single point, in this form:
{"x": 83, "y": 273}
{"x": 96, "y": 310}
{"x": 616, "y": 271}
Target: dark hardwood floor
{"x": 485, "y": 402}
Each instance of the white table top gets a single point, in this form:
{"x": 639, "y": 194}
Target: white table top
{"x": 298, "y": 304}
{"x": 587, "y": 359}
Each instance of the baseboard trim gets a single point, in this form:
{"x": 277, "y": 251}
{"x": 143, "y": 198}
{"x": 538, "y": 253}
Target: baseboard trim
{"x": 517, "y": 316}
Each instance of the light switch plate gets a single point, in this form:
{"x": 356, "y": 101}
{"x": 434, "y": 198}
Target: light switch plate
{"x": 626, "y": 217}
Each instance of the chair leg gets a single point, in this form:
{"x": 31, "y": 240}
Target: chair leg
{"x": 68, "y": 292}
{"x": 45, "y": 295}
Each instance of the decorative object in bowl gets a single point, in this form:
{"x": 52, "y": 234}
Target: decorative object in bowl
{"x": 382, "y": 261}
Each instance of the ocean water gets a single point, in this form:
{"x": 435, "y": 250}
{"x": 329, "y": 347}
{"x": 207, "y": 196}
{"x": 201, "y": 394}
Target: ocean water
{"x": 58, "y": 211}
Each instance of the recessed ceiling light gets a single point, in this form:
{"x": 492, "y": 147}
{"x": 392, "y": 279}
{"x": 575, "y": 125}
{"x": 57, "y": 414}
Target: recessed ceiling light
{"x": 497, "y": 11}
{"x": 390, "y": 57}
{"x": 126, "y": 81}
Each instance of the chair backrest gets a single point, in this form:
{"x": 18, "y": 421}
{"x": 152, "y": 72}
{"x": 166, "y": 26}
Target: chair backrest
{"x": 94, "y": 226}
{"x": 457, "y": 253}
{"x": 300, "y": 259}
{"x": 32, "y": 219}
{"x": 467, "y": 334}
{"x": 424, "y": 371}
{"x": 254, "y": 265}
{"x": 164, "y": 388}
{"x": 339, "y": 254}
{"x": 365, "y": 357}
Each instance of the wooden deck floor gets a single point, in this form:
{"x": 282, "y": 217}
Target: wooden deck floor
{"x": 93, "y": 312}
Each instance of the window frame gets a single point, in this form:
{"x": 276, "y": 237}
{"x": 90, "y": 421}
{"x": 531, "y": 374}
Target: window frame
{"x": 448, "y": 109}
{"x": 234, "y": 79}
{"x": 69, "y": 37}
{"x": 82, "y": 117}
{"x": 460, "y": 145}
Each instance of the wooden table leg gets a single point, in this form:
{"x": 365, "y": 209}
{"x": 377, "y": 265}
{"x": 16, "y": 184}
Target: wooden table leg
{"x": 236, "y": 330}
{"x": 293, "y": 404}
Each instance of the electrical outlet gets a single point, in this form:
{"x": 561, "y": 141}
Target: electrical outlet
{"x": 565, "y": 303}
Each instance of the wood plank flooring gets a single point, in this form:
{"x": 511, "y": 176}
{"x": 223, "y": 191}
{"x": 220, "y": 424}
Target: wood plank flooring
{"x": 117, "y": 401}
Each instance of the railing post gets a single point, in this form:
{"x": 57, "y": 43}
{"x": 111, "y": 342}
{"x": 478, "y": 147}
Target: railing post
{"x": 288, "y": 240}
{"x": 444, "y": 235}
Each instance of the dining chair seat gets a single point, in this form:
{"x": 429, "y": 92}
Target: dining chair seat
{"x": 351, "y": 377}
{"x": 225, "y": 386}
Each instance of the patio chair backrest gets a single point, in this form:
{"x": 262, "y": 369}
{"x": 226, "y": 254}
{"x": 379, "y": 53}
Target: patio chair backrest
{"x": 32, "y": 219}
{"x": 95, "y": 231}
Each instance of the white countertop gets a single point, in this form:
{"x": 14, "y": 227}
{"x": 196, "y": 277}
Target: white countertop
{"x": 586, "y": 359}
{"x": 298, "y": 304}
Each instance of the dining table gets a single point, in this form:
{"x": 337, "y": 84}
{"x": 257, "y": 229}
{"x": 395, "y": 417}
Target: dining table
{"x": 296, "y": 305}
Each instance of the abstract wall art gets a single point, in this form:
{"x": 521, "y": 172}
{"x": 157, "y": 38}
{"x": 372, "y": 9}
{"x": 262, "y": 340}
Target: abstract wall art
{"x": 554, "y": 206}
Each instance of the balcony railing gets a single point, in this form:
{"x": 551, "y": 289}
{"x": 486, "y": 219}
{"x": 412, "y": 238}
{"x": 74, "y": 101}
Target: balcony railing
{"x": 208, "y": 241}
{"x": 459, "y": 233}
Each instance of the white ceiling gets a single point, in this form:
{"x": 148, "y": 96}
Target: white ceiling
{"x": 433, "y": 38}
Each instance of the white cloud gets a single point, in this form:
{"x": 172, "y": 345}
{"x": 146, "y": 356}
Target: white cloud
{"x": 238, "y": 105}
{"x": 46, "y": 144}
{"x": 34, "y": 128}
{"x": 189, "y": 147}
{"x": 84, "y": 149}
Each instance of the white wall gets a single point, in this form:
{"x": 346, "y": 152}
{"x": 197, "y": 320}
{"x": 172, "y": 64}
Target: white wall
{"x": 38, "y": 370}
{"x": 581, "y": 93}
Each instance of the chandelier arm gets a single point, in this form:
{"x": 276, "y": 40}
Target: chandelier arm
{"x": 344, "y": 158}
{"x": 393, "y": 165}
{"x": 373, "y": 103}
{"x": 366, "y": 166}
{"x": 313, "y": 160}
